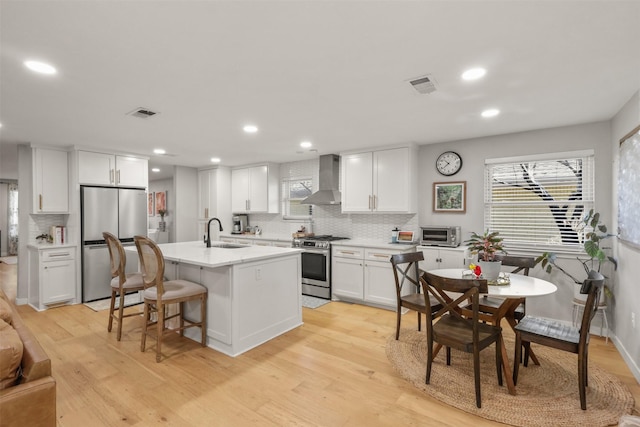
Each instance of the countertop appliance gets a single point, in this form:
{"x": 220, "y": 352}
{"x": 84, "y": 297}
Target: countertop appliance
{"x": 436, "y": 235}
{"x": 240, "y": 223}
{"x": 316, "y": 264}
{"x": 120, "y": 211}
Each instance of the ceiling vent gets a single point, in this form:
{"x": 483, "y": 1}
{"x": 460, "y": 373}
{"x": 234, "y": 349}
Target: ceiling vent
{"x": 423, "y": 85}
{"x": 143, "y": 113}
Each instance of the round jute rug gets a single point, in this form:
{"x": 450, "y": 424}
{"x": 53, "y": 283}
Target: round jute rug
{"x": 547, "y": 395}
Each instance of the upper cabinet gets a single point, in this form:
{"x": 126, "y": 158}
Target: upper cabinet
{"x": 50, "y": 181}
{"x": 382, "y": 181}
{"x": 255, "y": 189}
{"x": 112, "y": 170}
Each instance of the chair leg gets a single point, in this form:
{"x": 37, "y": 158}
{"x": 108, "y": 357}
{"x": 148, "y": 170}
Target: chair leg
{"x": 527, "y": 347}
{"x": 398, "y": 313}
{"x": 111, "y": 308}
{"x": 476, "y": 375}
{"x": 448, "y": 351}
{"x": 181, "y": 317}
{"x": 120, "y": 315}
{"x": 160, "y": 329}
{"x": 517, "y": 357}
{"x": 147, "y": 316}
{"x": 582, "y": 381}
{"x": 203, "y": 319}
{"x": 420, "y": 321}
{"x": 429, "y": 359}
{"x": 499, "y": 360}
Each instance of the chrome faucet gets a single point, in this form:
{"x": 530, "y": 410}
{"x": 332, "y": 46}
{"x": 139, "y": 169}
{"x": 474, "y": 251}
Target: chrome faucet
{"x": 209, "y": 230}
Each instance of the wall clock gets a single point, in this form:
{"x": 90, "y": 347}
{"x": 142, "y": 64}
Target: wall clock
{"x": 449, "y": 163}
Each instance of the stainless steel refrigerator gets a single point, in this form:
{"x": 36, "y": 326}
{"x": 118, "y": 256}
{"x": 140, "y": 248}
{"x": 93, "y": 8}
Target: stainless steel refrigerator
{"x": 120, "y": 211}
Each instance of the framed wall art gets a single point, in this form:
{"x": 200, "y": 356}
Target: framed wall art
{"x": 450, "y": 197}
{"x": 151, "y": 206}
{"x": 161, "y": 201}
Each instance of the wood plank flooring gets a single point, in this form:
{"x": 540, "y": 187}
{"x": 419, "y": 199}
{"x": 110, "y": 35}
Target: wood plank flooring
{"x": 332, "y": 371}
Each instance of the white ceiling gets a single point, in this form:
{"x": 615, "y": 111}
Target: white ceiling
{"x": 332, "y": 72}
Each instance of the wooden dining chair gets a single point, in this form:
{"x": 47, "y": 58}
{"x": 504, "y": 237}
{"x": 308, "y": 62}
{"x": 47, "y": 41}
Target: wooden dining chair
{"x": 158, "y": 294}
{"x": 522, "y": 265}
{"x": 406, "y": 271}
{"x": 554, "y": 334}
{"x": 453, "y": 330}
{"x": 121, "y": 283}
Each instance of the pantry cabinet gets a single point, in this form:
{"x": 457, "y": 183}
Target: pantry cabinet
{"x": 50, "y": 181}
{"x": 255, "y": 189}
{"x": 52, "y": 275}
{"x": 382, "y": 181}
{"x": 364, "y": 275}
{"x": 112, "y": 170}
{"x": 439, "y": 257}
{"x": 214, "y": 199}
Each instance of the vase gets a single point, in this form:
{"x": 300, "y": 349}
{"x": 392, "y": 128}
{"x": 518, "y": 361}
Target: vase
{"x": 162, "y": 226}
{"x": 490, "y": 270}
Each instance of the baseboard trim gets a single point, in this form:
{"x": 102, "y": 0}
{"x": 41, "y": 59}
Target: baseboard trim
{"x": 633, "y": 366}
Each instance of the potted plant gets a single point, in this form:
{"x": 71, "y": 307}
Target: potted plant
{"x": 162, "y": 226}
{"x": 487, "y": 244}
{"x": 594, "y": 233}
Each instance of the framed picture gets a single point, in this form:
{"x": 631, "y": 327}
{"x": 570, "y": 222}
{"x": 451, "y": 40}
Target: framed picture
{"x": 450, "y": 197}
{"x": 151, "y": 206}
{"x": 161, "y": 201}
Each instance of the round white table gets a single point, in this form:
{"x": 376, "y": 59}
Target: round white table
{"x": 514, "y": 294}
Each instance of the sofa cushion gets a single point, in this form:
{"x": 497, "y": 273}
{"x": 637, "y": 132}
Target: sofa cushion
{"x": 5, "y": 311}
{"x": 11, "y": 349}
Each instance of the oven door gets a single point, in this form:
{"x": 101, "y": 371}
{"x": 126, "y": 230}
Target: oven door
{"x": 316, "y": 273}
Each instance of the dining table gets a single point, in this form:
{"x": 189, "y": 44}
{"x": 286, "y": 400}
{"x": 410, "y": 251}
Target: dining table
{"x": 514, "y": 289}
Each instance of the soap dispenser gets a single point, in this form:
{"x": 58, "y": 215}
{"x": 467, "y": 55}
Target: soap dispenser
{"x": 394, "y": 235}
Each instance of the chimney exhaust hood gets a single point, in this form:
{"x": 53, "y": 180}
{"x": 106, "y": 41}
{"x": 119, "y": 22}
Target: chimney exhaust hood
{"x": 328, "y": 193}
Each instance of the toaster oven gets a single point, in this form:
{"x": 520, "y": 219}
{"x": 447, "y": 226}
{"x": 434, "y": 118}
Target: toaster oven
{"x": 436, "y": 235}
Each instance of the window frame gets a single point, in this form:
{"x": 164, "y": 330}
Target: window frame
{"x": 587, "y": 200}
{"x": 285, "y": 200}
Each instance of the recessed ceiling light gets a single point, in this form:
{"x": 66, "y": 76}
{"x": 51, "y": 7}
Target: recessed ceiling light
{"x": 215, "y": 160}
{"x": 155, "y": 170}
{"x": 492, "y": 112}
{"x": 160, "y": 151}
{"x": 306, "y": 144}
{"x": 40, "y": 67}
{"x": 250, "y": 129}
{"x": 474, "y": 74}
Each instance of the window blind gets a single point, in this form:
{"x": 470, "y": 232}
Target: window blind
{"x": 539, "y": 204}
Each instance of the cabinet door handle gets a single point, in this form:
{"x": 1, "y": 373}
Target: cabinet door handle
{"x": 59, "y": 254}
{"x": 375, "y": 202}
{"x": 118, "y": 176}
{"x": 40, "y": 197}
{"x": 380, "y": 255}
{"x": 347, "y": 252}
{"x": 369, "y": 201}
{"x": 206, "y": 212}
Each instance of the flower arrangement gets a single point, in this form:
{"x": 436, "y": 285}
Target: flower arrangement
{"x": 488, "y": 244}
{"x": 162, "y": 213}
{"x": 475, "y": 269}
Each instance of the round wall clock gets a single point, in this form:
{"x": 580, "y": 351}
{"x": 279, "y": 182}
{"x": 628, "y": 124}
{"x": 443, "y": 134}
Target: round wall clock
{"x": 449, "y": 163}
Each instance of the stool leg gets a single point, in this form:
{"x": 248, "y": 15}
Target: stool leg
{"x": 606, "y": 323}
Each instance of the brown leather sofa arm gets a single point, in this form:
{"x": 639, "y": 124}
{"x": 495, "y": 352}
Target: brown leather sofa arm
{"x": 29, "y": 404}
{"x": 35, "y": 362}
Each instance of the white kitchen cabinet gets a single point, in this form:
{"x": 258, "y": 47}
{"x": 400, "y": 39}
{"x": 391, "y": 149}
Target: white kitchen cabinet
{"x": 364, "y": 275}
{"x": 255, "y": 189}
{"x": 50, "y": 181}
{"x": 52, "y": 276}
{"x": 112, "y": 170}
{"x": 382, "y": 181}
{"x": 440, "y": 257}
{"x": 214, "y": 199}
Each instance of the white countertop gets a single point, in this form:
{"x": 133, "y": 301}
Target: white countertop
{"x": 41, "y": 246}
{"x": 197, "y": 253}
{"x": 368, "y": 243}
{"x": 270, "y": 237}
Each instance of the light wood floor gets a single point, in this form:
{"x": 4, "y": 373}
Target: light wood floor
{"x": 330, "y": 372}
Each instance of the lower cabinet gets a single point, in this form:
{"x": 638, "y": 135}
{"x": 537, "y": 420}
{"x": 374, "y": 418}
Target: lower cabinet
{"x": 52, "y": 276}
{"x": 436, "y": 257}
{"x": 364, "y": 275}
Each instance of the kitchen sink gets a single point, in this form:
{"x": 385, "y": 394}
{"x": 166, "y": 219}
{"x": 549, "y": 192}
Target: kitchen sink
{"x": 227, "y": 246}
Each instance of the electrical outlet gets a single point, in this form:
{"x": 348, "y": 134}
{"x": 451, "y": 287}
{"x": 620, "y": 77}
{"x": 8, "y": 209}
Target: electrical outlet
{"x": 633, "y": 320}
{"x": 258, "y": 273}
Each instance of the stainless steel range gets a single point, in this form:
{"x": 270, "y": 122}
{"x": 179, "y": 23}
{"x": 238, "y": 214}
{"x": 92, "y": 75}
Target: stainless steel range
{"x": 316, "y": 264}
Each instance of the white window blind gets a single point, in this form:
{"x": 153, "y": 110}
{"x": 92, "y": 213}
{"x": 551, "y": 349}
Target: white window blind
{"x": 539, "y": 204}
{"x": 294, "y": 190}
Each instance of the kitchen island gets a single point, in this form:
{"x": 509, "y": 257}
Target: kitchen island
{"x": 254, "y": 292}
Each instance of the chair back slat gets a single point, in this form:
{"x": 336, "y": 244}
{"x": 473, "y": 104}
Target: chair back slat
{"x": 118, "y": 259}
{"x": 152, "y": 262}
{"x": 406, "y": 268}
{"x": 593, "y": 286}
{"x": 521, "y": 263}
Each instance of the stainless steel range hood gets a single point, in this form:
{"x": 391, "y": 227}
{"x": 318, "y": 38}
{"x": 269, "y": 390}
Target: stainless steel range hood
{"x": 328, "y": 193}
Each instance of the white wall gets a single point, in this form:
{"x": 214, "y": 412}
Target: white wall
{"x": 594, "y": 136}
{"x": 626, "y": 292}
{"x": 185, "y": 190}
{"x": 8, "y": 161}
